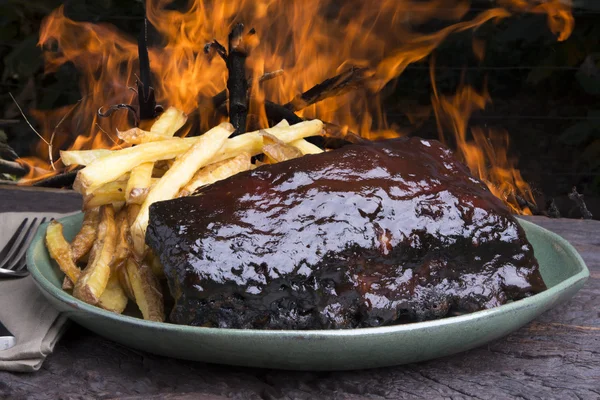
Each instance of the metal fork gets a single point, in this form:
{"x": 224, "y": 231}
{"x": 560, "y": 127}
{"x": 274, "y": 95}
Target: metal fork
{"x": 12, "y": 256}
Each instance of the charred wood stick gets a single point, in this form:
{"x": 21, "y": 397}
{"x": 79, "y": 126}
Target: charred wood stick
{"x": 237, "y": 84}
{"x": 334, "y": 86}
{"x": 215, "y": 47}
{"x": 552, "y": 209}
{"x": 523, "y": 202}
{"x": 335, "y": 137}
{"x": 276, "y": 112}
{"x": 13, "y": 168}
{"x": 146, "y": 99}
{"x": 578, "y": 199}
{"x": 65, "y": 179}
{"x": 267, "y": 76}
{"x": 219, "y": 100}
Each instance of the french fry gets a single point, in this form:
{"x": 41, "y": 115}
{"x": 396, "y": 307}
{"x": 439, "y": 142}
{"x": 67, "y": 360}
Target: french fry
{"x": 276, "y": 150}
{"x": 113, "y": 298}
{"x": 82, "y": 157}
{"x": 60, "y": 251}
{"x": 252, "y": 142}
{"x": 281, "y": 124}
{"x": 177, "y": 176}
{"x": 67, "y": 283}
{"x": 123, "y": 277}
{"x": 138, "y": 183}
{"x": 93, "y": 280}
{"x": 216, "y": 172}
{"x": 114, "y": 193}
{"x": 139, "y": 136}
{"x": 132, "y": 212}
{"x": 122, "y": 243}
{"x": 147, "y": 290}
{"x": 108, "y": 193}
{"x": 306, "y": 147}
{"x": 169, "y": 122}
{"x": 110, "y": 167}
{"x": 84, "y": 240}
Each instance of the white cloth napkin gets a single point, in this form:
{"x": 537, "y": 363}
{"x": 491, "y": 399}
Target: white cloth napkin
{"x": 36, "y": 325}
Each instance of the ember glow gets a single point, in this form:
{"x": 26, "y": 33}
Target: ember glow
{"x": 310, "y": 40}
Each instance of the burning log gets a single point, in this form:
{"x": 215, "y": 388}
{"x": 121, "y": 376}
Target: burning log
{"x": 552, "y": 209}
{"x": 237, "y": 85}
{"x": 220, "y": 99}
{"x": 65, "y": 179}
{"x": 336, "y": 137}
{"x": 13, "y": 168}
{"x": 146, "y": 100}
{"x": 523, "y": 202}
{"x": 331, "y": 87}
{"x": 578, "y": 199}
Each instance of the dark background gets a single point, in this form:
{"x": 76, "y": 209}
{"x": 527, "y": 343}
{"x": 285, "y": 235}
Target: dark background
{"x": 546, "y": 94}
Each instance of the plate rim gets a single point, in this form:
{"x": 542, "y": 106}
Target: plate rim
{"x": 60, "y": 295}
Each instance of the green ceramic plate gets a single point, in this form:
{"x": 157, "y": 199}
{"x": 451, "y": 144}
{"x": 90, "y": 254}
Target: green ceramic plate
{"x": 562, "y": 268}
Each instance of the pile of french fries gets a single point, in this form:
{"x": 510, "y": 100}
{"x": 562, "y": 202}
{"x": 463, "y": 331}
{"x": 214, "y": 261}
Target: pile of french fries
{"x": 108, "y": 264}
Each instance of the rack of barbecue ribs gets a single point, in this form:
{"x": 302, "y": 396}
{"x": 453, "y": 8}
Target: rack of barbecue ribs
{"x": 371, "y": 234}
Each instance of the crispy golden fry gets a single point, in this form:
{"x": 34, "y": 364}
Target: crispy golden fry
{"x": 132, "y": 212}
{"x": 176, "y": 177}
{"x": 169, "y": 122}
{"x": 110, "y": 167}
{"x": 252, "y": 142}
{"x": 138, "y": 183}
{"x": 147, "y": 290}
{"x": 122, "y": 242}
{"x": 113, "y": 298}
{"x": 139, "y": 136}
{"x": 306, "y": 147}
{"x": 82, "y": 157}
{"x": 282, "y": 123}
{"x": 84, "y": 240}
{"x": 114, "y": 193}
{"x": 216, "y": 172}
{"x": 60, "y": 251}
{"x": 276, "y": 150}
{"x": 153, "y": 262}
{"x": 93, "y": 281}
{"x": 124, "y": 280}
{"x": 108, "y": 193}
{"x": 67, "y": 283}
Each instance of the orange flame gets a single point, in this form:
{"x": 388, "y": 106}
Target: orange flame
{"x": 311, "y": 40}
{"x": 486, "y": 154}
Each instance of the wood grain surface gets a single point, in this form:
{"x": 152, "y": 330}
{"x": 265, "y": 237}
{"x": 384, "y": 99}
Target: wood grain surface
{"x": 555, "y": 357}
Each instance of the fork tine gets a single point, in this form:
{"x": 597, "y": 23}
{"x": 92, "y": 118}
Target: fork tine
{"x": 20, "y": 264}
{"x": 19, "y": 258}
{"x": 17, "y": 249}
{"x": 12, "y": 240}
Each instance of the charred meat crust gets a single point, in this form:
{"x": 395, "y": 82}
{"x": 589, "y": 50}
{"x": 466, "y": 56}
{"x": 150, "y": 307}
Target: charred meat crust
{"x": 370, "y": 234}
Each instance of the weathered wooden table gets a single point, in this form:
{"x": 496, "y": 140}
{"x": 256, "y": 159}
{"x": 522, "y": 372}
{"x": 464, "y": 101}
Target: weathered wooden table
{"x": 555, "y": 357}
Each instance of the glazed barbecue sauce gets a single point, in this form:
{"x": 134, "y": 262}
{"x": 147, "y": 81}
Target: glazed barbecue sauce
{"x": 367, "y": 235}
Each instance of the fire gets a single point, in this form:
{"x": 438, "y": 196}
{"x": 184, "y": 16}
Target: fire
{"x": 486, "y": 154}
{"x": 310, "y": 40}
